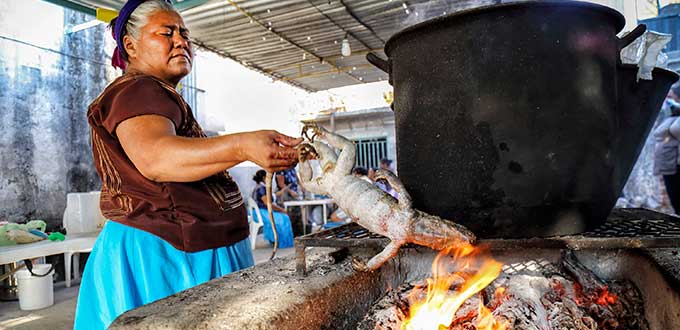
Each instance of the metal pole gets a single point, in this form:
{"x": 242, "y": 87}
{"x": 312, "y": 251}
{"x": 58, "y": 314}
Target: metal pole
{"x": 74, "y": 6}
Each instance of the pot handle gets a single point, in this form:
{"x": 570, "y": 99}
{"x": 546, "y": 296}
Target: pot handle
{"x": 379, "y": 62}
{"x": 632, "y": 35}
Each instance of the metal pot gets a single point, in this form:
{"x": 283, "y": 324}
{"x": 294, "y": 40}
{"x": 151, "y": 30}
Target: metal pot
{"x": 513, "y": 119}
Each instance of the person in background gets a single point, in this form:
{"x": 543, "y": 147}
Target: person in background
{"x": 289, "y": 190}
{"x": 177, "y": 219}
{"x": 338, "y": 217}
{"x": 666, "y": 155}
{"x": 672, "y": 97}
{"x": 386, "y": 165}
{"x": 361, "y": 173}
{"x": 281, "y": 219}
{"x": 371, "y": 173}
{"x": 316, "y": 216}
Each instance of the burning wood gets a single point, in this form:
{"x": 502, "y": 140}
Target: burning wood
{"x": 571, "y": 299}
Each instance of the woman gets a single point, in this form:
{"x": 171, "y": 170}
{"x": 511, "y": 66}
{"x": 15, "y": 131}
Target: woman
{"x": 289, "y": 190}
{"x": 178, "y": 218}
{"x": 281, "y": 219}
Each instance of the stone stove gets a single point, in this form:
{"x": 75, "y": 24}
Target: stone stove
{"x": 319, "y": 289}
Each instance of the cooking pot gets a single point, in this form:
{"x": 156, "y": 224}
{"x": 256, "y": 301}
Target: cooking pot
{"x": 518, "y": 120}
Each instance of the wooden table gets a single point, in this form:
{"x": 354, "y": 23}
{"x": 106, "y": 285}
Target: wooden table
{"x": 303, "y": 203}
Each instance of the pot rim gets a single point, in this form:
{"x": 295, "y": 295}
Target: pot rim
{"x": 619, "y": 19}
{"x": 657, "y": 71}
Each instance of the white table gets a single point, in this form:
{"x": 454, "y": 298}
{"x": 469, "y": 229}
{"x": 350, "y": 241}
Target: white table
{"x": 303, "y": 204}
{"x": 73, "y": 245}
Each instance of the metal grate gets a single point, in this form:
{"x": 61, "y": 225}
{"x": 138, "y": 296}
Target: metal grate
{"x": 624, "y": 229}
{"x": 370, "y": 152}
{"x": 540, "y": 265}
{"x": 638, "y": 223}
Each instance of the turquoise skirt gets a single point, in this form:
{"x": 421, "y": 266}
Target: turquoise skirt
{"x": 128, "y": 268}
{"x": 284, "y": 230}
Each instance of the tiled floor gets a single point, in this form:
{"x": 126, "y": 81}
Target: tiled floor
{"x": 60, "y": 315}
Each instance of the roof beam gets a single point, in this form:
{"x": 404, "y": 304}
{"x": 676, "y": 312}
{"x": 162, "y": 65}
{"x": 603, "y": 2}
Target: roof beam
{"x": 311, "y": 2}
{"x": 301, "y": 75}
{"x": 356, "y": 18}
{"x": 73, "y": 6}
{"x": 330, "y": 58}
{"x": 186, "y": 4}
{"x": 249, "y": 65}
{"x": 179, "y": 5}
{"x": 282, "y": 37}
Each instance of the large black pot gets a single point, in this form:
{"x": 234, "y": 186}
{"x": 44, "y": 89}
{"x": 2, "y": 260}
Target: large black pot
{"x": 518, "y": 120}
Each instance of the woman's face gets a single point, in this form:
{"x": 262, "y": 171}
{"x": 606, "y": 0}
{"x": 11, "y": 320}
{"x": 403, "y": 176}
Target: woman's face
{"x": 163, "y": 49}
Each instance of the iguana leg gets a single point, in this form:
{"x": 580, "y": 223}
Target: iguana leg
{"x": 347, "y": 157}
{"x": 310, "y": 127}
{"x": 379, "y": 259}
{"x": 305, "y": 153}
{"x": 310, "y": 184}
{"x": 327, "y": 157}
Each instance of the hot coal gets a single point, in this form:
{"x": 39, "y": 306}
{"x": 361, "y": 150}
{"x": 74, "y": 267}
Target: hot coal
{"x": 567, "y": 297}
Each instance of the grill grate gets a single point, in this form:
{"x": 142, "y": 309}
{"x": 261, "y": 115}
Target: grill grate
{"x": 540, "y": 265}
{"x": 624, "y": 229}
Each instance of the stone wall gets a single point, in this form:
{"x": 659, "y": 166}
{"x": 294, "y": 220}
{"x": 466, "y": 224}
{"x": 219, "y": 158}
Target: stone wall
{"x": 44, "y": 135}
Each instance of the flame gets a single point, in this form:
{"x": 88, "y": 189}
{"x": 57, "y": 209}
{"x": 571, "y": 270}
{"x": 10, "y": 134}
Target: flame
{"x": 438, "y": 309}
{"x": 486, "y": 321}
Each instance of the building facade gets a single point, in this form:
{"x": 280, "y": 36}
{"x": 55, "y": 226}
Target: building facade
{"x": 372, "y": 130}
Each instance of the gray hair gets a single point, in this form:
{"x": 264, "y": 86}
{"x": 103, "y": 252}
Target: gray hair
{"x": 140, "y": 17}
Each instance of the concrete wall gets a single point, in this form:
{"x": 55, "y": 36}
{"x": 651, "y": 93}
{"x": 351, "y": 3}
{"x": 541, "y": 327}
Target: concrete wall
{"x": 45, "y": 88}
{"x": 47, "y": 80}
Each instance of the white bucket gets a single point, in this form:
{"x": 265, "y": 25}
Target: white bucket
{"x": 35, "y": 292}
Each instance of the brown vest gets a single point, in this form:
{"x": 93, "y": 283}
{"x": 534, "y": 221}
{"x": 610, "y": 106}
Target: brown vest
{"x": 191, "y": 216}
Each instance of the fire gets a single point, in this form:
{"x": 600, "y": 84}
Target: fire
{"x": 602, "y": 297}
{"x": 437, "y": 311}
{"x": 605, "y": 297}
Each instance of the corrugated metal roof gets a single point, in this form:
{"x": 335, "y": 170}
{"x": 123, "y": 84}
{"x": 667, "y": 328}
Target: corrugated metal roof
{"x": 299, "y": 41}
{"x": 324, "y": 117}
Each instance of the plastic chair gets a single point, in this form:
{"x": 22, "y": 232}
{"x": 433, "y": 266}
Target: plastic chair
{"x": 255, "y": 225}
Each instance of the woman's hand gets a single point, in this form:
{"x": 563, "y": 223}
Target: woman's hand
{"x": 269, "y": 149}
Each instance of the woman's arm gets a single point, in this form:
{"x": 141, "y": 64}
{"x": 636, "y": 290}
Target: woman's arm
{"x": 293, "y": 193}
{"x": 160, "y": 155}
{"x": 280, "y": 192}
{"x": 281, "y": 182}
{"x": 274, "y": 206}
